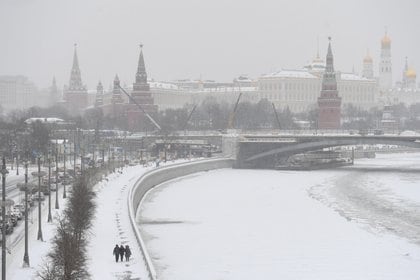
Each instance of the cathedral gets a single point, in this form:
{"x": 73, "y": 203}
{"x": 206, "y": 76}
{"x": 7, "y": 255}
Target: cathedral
{"x": 406, "y": 90}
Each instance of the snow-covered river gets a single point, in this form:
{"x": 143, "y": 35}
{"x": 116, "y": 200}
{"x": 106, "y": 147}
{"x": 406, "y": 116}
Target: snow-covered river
{"x": 359, "y": 222}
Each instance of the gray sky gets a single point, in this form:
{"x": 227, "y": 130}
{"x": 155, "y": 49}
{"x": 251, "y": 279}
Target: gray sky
{"x": 217, "y": 39}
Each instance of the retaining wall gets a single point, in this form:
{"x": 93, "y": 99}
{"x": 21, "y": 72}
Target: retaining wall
{"x": 157, "y": 176}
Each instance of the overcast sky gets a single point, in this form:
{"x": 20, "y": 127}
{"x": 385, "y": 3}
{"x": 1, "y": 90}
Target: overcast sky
{"x": 215, "y": 39}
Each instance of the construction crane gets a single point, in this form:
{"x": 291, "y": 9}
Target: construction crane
{"x": 277, "y": 115}
{"x": 189, "y": 117}
{"x": 232, "y": 115}
{"x": 141, "y": 108}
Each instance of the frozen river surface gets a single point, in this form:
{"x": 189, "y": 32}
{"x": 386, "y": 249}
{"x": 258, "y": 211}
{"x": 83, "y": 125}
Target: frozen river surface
{"x": 360, "y": 222}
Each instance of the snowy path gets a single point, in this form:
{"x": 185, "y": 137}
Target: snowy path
{"x": 112, "y": 226}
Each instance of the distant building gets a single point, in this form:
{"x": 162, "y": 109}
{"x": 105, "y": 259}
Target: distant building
{"x": 132, "y": 111}
{"x": 99, "y": 100}
{"x": 298, "y": 89}
{"x": 142, "y": 96}
{"x": 75, "y": 95}
{"x": 385, "y": 64}
{"x": 405, "y": 91}
{"x": 388, "y": 122}
{"x": 54, "y": 95}
{"x": 16, "y": 92}
{"x": 329, "y": 103}
{"x": 367, "y": 67}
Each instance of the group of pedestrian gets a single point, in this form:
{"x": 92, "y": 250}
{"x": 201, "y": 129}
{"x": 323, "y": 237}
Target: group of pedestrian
{"x": 120, "y": 251}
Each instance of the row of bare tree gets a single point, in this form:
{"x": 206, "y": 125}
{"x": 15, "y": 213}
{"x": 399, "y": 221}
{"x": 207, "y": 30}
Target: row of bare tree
{"x": 212, "y": 114}
{"x": 68, "y": 258}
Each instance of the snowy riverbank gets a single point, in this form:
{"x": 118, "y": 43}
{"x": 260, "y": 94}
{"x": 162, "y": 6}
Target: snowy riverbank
{"x": 251, "y": 224}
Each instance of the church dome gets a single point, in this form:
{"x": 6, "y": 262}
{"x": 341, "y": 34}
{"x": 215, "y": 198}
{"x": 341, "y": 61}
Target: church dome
{"x": 367, "y": 59}
{"x": 386, "y": 41}
{"x": 410, "y": 73}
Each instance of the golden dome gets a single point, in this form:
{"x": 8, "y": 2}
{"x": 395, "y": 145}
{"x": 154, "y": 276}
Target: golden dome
{"x": 410, "y": 73}
{"x": 386, "y": 40}
{"x": 368, "y": 59}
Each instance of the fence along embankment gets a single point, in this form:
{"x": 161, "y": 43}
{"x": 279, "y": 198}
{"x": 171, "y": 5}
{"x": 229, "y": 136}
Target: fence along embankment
{"x": 155, "y": 177}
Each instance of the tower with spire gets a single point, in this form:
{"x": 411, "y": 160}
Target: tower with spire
{"x": 53, "y": 98}
{"x": 367, "y": 66}
{"x": 329, "y": 103}
{"x": 142, "y": 95}
{"x": 385, "y": 65}
{"x": 141, "y": 89}
{"x": 116, "y": 92}
{"x": 99, "y": 99}
{"x": 75, "y": 94}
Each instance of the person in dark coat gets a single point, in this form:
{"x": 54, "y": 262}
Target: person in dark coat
{"x": 122, "y": 251}
{"x": 127, "y": 253}
{"x": 116, "y": 252}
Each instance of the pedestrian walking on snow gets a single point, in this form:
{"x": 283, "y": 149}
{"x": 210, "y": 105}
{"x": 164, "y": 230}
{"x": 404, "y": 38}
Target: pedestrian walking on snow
{"x": 116, "y": 252}
{"x": 127, "y": 253}
{"x": 122, "y": 251}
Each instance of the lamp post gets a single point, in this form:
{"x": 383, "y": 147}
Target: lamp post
{"x": 17, "y": 159}
{"x": 64, "y": 177}
{"x": 39, "y": 174}
{"x": 27, "y": 187}
{"x": 3, "y": 215}
{"x": 57, "y": 206}
{"x": 49, "y": 189}
{"x": 74, "y": 153}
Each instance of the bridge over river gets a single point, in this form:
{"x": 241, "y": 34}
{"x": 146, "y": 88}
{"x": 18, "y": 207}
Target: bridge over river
{"x": 261, "y": 148}
{"x": 264, "y": 150}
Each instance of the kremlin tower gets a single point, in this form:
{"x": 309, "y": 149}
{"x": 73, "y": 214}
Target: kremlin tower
{"x": 130, "y": 113}
{"x": 329, "y": 103}
{"x": 99, "y": 100}
{"x": 385, "y": 65}
{"x": 143, "y": 97}
{"x": 75, "y": 94}
{"x": 53, "y": 93}
{"x": 116, "y": 92}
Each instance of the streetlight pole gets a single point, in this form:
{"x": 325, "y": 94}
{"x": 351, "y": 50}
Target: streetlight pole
{"x": 27, "y": 188}
{"x": 74, "y": 153}
{"x": 3, "y": 216}
{"x": 17, "y": 162}
{"x": 57, "y": 206}
{"x": 39, "y": 200}
{"x": 49, "y": 189}
{"x": 64, "y": 179}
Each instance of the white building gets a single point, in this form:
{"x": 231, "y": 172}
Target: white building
{"x": 385, "y": 65}
{"x": 405, "y": 91}
{"x": 300, "y": 89}
{"x": 16, "y": 92}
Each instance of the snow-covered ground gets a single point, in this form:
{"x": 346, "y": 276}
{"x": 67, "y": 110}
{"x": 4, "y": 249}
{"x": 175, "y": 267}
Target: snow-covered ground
{"x": 38, "y": 249}
{"x": 110, "y": 226}
{"x": 360, "y": 222}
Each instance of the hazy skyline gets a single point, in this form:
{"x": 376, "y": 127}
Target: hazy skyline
{"x": 191, "y": 39}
